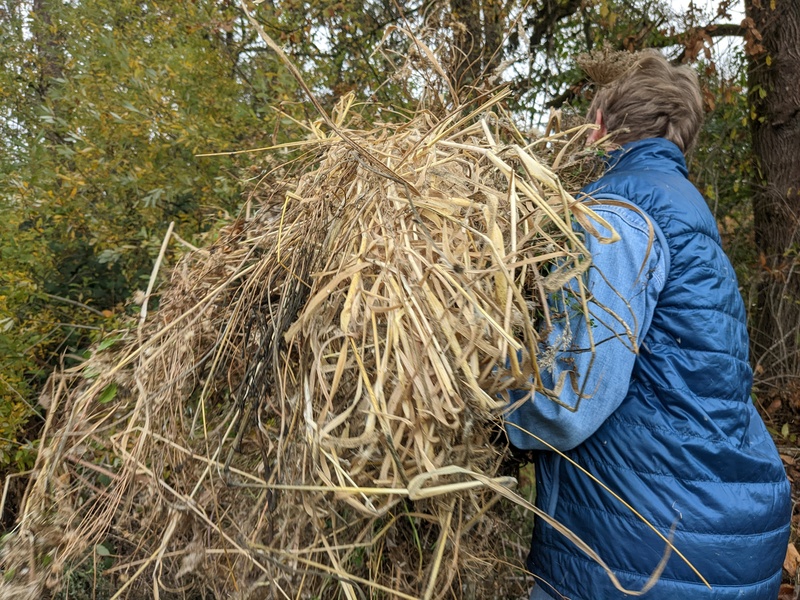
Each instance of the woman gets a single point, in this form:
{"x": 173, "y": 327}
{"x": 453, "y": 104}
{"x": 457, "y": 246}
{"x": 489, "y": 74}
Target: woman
{"x": 660, "y": 411}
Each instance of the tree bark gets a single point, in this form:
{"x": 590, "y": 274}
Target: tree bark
{"x": 467, "y": 42}
{"x": 48, "y": 45}
{"x": 478, "y": 32}
{"x": 542, "y": 25}
{"x": 495, "y": 16}
{"x": 774, "y": 90}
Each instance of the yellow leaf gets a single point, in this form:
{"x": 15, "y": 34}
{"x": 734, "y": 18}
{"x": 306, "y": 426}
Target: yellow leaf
{"x": 769, "y": 60}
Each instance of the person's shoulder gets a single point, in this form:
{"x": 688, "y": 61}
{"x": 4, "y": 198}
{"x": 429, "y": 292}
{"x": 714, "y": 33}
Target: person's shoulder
{"x": 641, "y": 246}
{"x": 623, "y": 217}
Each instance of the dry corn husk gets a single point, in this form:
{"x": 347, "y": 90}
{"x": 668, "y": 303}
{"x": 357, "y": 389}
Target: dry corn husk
{"x": 315, "y": 410}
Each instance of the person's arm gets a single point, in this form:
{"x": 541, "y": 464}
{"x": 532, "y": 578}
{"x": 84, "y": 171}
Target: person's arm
{"x": 624, "y": 281}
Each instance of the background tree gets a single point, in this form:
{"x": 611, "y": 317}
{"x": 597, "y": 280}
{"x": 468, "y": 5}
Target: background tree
{"x": 104, "y": 109}
{"x": 478, "y": 29}
{"x": 774, "y": 94}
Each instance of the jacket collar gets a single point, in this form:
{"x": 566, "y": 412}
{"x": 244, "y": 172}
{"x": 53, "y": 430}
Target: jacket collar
{"x": 652, "y": 153}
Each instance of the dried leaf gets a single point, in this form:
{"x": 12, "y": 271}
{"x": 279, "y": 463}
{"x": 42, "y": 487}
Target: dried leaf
{"x": 792, "y": 561}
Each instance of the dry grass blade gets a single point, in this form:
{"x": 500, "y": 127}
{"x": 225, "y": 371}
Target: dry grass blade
{"x": 316, "y": 400}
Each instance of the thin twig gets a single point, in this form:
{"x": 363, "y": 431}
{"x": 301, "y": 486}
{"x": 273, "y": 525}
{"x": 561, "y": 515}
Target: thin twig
{"x": 74, "y": 303}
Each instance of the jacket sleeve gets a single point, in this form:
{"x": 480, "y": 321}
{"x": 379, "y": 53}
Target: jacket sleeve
{"x": 587, "y": 365}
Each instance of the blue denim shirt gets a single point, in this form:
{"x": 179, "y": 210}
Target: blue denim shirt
{"x": 624, "y": 281}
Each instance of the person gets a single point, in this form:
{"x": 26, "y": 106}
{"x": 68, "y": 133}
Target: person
{"x": 650, "y": 408}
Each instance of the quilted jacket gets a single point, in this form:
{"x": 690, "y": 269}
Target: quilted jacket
{"x": 686, "y": 448}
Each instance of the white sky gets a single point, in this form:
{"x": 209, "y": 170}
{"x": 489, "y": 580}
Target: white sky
{"x": 710, "y": 6}
{"x": 723, "y": 47}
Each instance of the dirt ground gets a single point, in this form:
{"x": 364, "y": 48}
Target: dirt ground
{"x": 781, "y": 411}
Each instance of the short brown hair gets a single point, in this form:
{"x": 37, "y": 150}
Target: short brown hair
{"x": 652, "y": 99}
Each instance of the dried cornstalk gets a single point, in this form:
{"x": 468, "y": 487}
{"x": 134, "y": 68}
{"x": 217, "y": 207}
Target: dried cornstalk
{"x": 312, "y": 409}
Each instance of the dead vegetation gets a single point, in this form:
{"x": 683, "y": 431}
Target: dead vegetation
{"x": 314, "y": 411}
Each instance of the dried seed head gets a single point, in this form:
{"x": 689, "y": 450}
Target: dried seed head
{"x": 605, "y": 64}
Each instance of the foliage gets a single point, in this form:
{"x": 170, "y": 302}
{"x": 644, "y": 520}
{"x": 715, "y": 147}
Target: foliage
{"x": 554, "y": 33}
{"x": 722, "y": 164}
{"x": 105, "y": 109}
{"x": 105, "y": 106}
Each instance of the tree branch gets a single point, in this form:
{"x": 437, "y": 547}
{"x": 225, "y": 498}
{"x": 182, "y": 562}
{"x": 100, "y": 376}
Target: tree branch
{"x": 73, "y": 303}
{"x": 725, "y": 30}
{"x": 554, "y": 11}
{"x": 712, "y": 31}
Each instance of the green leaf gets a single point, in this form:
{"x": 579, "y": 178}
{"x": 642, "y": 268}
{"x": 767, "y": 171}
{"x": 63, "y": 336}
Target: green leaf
{"x": 108, "y": 342}
{"x": 785, "y": 430}
{"x": 109, "y": 393}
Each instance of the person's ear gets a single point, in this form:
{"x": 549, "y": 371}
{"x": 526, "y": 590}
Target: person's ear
{"x": 601, "y": 130}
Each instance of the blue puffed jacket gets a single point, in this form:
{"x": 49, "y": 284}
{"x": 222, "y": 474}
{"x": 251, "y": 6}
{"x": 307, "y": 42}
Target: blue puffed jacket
{"x": 686, "y": 448}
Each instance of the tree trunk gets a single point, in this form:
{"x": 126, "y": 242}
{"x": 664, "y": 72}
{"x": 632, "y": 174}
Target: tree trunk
{"x": 774, "y": 82}
{"x": 467, "y": 42}
{"x": 495, "y": 16}
{"x": 478, "y": 33}
{"x": 48, "y": 45}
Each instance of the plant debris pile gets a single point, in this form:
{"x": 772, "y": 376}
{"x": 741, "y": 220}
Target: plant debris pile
{"x": 315, "y": 409}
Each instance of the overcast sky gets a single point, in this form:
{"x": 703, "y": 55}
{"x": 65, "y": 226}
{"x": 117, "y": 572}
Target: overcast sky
{"x": 710, "y": 6}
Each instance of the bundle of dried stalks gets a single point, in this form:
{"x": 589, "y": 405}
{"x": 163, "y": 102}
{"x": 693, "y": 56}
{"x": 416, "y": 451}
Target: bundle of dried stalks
{"x": 313, "y": 410}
